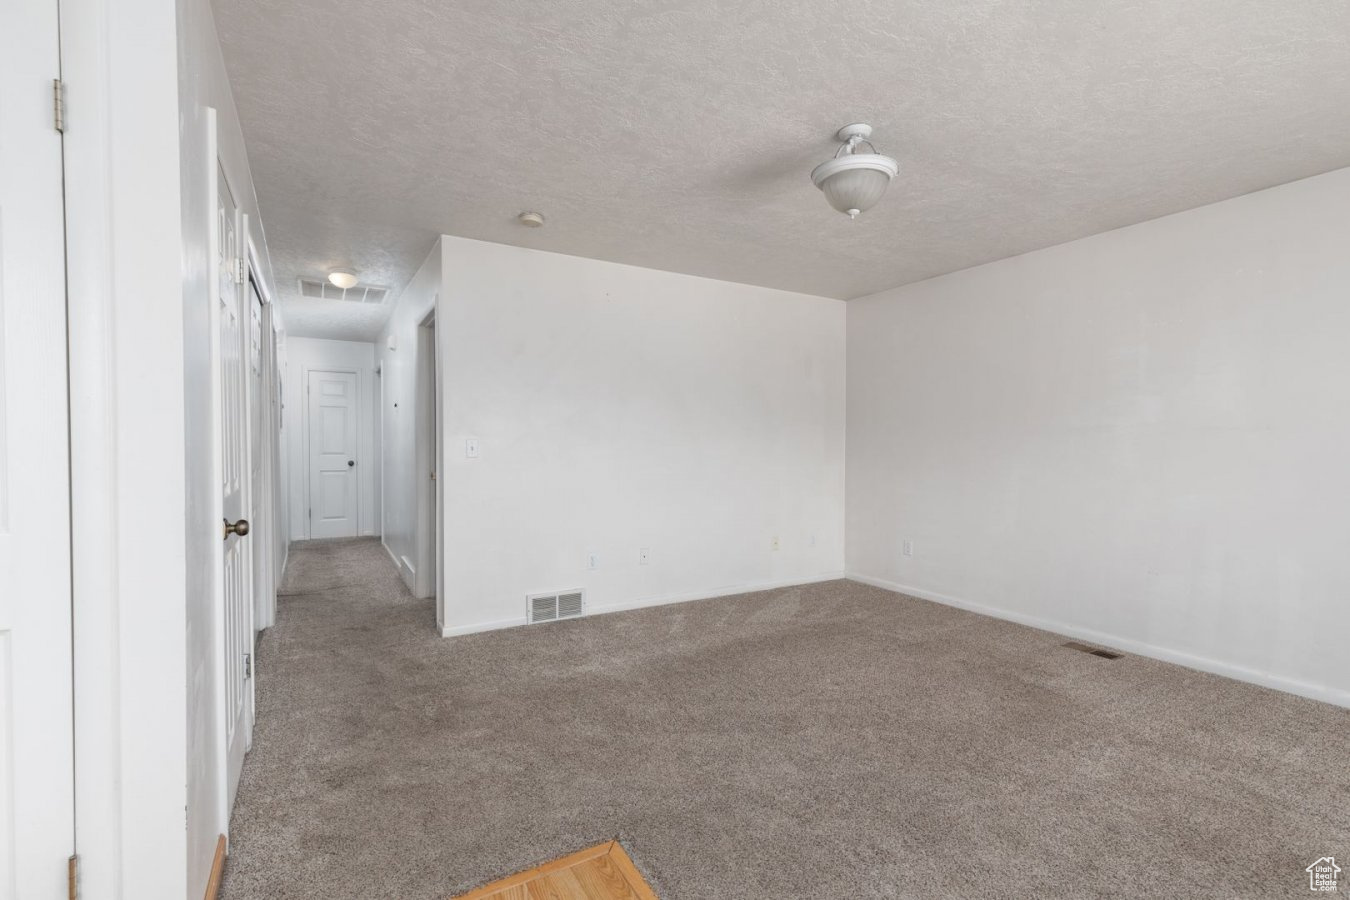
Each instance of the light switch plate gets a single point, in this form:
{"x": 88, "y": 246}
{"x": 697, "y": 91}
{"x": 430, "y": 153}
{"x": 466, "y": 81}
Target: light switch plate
{"x": 471, "y": 448}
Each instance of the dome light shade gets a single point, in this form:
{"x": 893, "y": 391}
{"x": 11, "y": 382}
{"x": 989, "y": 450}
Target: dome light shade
{"x": 342, "y": 278}
{"x": 853, "y": 182}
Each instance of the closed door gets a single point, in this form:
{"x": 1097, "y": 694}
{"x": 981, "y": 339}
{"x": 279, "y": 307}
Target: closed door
{"x": 236, "y": 576}
{"x": 37, "y": 812}
{"x": 332, "y": 455}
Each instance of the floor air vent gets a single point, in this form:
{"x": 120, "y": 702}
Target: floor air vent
{"x": 1095, "y": 651}
{"x": 549, "y": 607}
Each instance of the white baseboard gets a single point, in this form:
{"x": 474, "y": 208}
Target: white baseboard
{"x": 456, "y": 630}
{"x": 1324, "y": 693}
{"x": 643, "y": 602}
{"x": 727, "y": 591}
{"x": 404, "y": 573}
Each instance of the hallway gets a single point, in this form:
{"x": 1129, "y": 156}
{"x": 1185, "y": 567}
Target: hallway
{"x": 337, "y": 733}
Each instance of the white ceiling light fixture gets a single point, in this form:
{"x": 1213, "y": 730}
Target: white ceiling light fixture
{"x": 853, "y": 182}
{"x": 342, "y": 278}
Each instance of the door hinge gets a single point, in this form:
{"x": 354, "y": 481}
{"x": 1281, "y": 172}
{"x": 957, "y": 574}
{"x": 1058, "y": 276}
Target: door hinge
{"x": 59, "y": 104}
{"x": 73, "y": 877}
{"x": 240, "y": 270}
{"x": 248, "y": 666}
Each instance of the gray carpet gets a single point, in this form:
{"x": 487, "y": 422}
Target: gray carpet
{"x": 828, "y": 741}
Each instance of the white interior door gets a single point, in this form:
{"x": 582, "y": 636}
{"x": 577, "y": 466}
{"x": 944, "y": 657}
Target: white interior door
{"x": 237, "y": 572}
{"x": 332, "y": 455}
{"x": 37, "y": 812}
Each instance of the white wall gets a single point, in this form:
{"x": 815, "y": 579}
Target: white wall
{"x": 619, "y": 408}
{"x": 202, "y": 86}
{"x": 282, "y": 547}
{"x": 304, "y": 355}
{"x": 145, "y": 504}
{"x": 1140, "y": 437}
{"x": 398, "y": 384}
{"x": 126, "y": 330}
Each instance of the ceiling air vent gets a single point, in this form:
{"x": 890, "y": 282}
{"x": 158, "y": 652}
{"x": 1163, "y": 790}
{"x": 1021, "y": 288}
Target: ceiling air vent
{"x": 550, "y": 607}
{"x": 320, "y": 289}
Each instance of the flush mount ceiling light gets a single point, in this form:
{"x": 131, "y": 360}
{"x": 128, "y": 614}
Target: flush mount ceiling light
{"x": 342, "y": 278}
{"x": 530, "y": 219}
{"x": 853, "y": 182}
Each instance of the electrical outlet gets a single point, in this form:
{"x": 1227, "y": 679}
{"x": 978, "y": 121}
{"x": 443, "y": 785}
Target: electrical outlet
{"x": 907, "y": 548}
{"x": 773, "y": 544}
{"x": 644, "y": 556}
{"x": 593, "y": 561}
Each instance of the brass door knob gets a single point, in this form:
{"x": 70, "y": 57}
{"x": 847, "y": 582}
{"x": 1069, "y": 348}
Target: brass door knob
{"x": 240, "y": 528}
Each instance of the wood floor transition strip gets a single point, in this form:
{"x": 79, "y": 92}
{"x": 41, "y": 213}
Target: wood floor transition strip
{"x": 602, "y": 872}
{"x": 217, "y": 870}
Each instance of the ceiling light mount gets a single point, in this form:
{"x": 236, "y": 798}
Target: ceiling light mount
{"x": 854, "y": 133}
{"x": 853, "y": 182}
{"x": 342, "y": 278}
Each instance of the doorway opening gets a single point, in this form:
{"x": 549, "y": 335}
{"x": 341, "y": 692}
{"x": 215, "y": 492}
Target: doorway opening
{"x": 427, "y": 451}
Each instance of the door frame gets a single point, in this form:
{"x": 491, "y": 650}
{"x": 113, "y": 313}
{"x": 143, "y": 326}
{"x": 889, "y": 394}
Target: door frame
{"x": 360, "y": 398}
{"x": 265, "y": 603}
{"x": 125, "y": 298}
{"x": 426, "y": 458}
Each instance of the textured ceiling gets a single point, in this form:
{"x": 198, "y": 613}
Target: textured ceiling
{"x": 681, "y": 135}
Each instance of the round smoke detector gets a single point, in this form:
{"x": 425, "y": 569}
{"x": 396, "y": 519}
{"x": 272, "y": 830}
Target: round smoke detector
{"x": 530, "y": 219}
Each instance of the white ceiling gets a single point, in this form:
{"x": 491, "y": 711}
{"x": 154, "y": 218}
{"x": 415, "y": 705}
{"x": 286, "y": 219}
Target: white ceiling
{"x": 681, "y": 135}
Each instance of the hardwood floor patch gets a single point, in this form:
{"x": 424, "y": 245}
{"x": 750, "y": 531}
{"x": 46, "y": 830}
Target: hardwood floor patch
{"x": 602, "y": 872}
